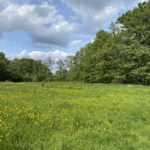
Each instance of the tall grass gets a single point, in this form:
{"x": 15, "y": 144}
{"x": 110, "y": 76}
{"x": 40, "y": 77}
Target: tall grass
{"x": 74, "y": 116}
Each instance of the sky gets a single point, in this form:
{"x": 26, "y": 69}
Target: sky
{"x": 54, "y": 28}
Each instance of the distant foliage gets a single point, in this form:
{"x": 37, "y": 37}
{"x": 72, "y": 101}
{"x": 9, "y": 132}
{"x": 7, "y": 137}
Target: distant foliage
{"x": 23, "y": 70}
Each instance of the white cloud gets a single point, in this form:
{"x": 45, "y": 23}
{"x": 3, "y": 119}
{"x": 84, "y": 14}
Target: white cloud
{"x": 42, "y": 22}
{"x": 92, "y": 41}
{"x": 95, "y": 14}
{"x": 43, "y": 55}
{"x": 141, "y": 1}
{"x": 75, "y": 42}
{"x": 47, "y": 26}
{"x": 3, "y": 4}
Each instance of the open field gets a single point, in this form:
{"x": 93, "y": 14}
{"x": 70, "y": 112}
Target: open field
{"x": 74, "y": 116}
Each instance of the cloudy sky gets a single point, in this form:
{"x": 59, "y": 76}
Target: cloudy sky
{"x": 54, "y": 28}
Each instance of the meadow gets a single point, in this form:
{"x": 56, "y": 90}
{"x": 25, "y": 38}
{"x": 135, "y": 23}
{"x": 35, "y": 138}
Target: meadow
{"x": 74, "y": 116}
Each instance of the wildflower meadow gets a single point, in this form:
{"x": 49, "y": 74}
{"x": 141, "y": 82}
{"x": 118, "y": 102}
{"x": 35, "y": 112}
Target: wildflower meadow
{"x": 74, "y": 116}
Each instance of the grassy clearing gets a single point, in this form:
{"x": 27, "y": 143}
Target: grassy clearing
{"x": 73, "y": 116}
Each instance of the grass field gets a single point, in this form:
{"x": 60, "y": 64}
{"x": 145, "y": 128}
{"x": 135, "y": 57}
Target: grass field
{"x": 74, "y": 116}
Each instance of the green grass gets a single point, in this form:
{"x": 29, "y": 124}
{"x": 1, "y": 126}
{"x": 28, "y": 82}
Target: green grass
{"x": 74, "y": 116}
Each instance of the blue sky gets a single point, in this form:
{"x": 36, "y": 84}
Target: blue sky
{"x": 54, "y": 28}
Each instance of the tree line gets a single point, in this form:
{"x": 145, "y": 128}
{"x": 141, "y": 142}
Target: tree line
{"x": 120, "y": 55}
{"x": 23, "y": 70}
{"x": 30, "y": 70}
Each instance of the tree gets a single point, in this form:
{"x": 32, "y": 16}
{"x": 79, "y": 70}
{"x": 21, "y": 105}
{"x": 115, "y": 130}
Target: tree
{"x": 122, "y": 55}
{"x": 29, "y": 70}
{"x": 137, "y": 23}
{"x": 49, "y": 63}
{"x": 61, "y": 72}
{"x": 4, "y": 74}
